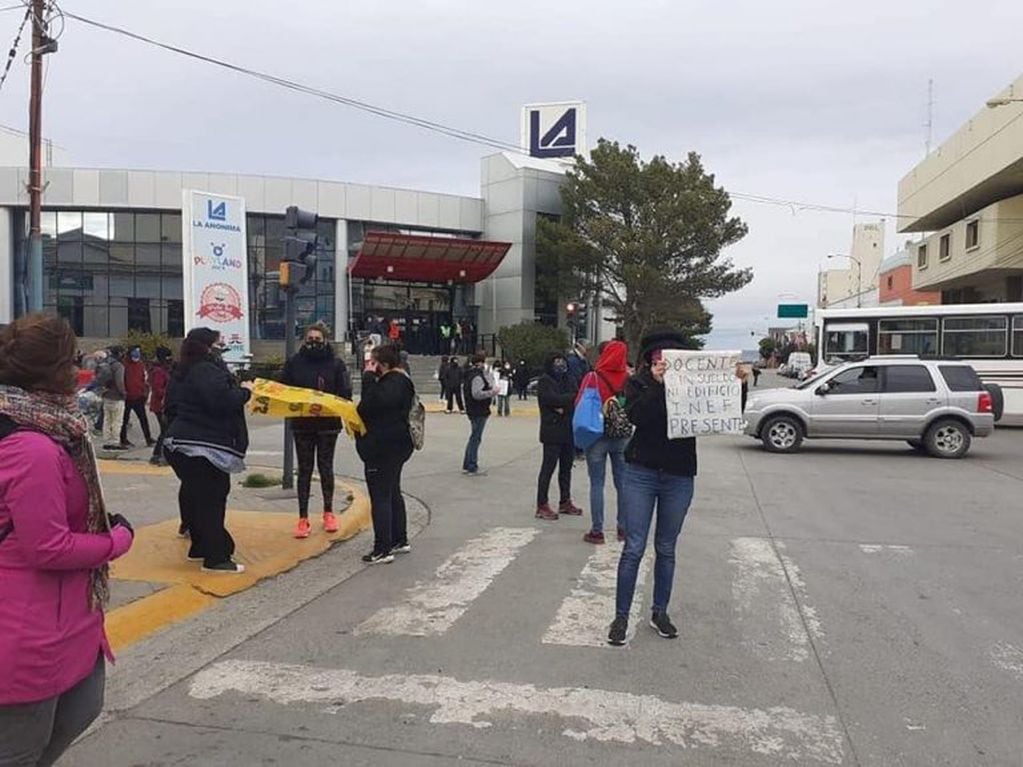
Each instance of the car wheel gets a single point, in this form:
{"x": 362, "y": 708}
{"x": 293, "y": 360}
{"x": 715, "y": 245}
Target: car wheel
{"x": 782, "y": 434}
{"x": 947, "y": 438}
{"x": 917, "y": 444}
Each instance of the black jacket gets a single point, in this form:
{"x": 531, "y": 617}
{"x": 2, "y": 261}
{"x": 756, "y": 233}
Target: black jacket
{"x": 554, "y": 393}
{"x": 452, "y": 376}
{"x": 384, "y": 407}
{"x": 321, "y": 371}
{"x": 650, "y": 446}
{"x": 476, "y": 408}
{"x": 206, "y": 406}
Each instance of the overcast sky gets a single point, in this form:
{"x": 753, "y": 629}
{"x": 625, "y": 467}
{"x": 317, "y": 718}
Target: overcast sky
{"x": 812, "y": 100}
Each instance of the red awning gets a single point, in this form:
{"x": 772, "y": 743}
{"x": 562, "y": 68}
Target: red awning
{"x": 421, "y": 258}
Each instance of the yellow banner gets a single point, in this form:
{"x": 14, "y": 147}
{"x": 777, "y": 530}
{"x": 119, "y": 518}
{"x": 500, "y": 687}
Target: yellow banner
{"x": 276, "y": 399}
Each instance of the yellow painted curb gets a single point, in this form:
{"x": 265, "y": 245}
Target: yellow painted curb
{"x": 135, "y": 621}
{"x": 264, "y": 544}
{"x": 108, "y": 466}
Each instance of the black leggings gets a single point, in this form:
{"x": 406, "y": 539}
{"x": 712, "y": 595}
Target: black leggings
{"x": 315, "y": 447}
{"x": 553, "y": 455}
{"x": 138, "y": 407}
{"x": 383, "y": 480}
{"x": 202, "y": 500}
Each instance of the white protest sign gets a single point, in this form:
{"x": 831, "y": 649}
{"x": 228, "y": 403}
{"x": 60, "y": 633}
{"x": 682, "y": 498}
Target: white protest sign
{"x": 216, "y": 272}
{"x": 702, "y": 393}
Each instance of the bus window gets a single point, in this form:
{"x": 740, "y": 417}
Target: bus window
{"x": 845, "y": 341}
{"x": 905, "y": 336}
{"x": 975, "y": 336}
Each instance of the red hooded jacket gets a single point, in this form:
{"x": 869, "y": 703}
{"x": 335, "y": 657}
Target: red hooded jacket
{"x": 610, "y": 373}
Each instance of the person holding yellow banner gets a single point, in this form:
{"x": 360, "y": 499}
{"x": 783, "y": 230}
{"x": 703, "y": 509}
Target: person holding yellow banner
{"x": 316, "y": 367}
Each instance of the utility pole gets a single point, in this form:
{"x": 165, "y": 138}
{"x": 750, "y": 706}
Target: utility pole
{"x": 41, "y": 45}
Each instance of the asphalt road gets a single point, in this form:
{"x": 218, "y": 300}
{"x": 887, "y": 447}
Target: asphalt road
{"x": 853, "y": 604}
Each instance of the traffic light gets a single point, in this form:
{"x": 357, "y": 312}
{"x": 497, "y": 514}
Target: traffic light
{"x": 300, "y": 240}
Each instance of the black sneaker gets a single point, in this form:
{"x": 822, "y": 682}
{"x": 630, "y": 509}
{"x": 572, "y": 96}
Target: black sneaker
{"x": 183, "y": 531}
{"x": 619, "y": 628}
{"x": 662, "y": 623}
{"x": 402, "y": 548}
{"x": 378, "y": 558}
{"x": 228, "y": 568}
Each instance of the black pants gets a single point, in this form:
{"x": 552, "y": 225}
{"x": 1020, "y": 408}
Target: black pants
{"x": 561, "y": 456}
{"x": 138, "y": 407}
{"x": 161, "y": 419}
{"x": 383, "y": 479}
{"x": 315, "y": 447}
{"x": 202, "y": 500}
{"x": 521, "y": 391}
{"x": 455, "y": 395}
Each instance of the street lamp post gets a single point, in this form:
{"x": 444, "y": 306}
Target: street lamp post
{"x": 859, "y": 275}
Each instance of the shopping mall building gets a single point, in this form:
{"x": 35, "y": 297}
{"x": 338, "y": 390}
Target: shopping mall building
{"x": 112, "y": 250}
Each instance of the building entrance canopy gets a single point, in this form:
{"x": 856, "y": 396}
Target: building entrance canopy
{"x": 420, "y": 258}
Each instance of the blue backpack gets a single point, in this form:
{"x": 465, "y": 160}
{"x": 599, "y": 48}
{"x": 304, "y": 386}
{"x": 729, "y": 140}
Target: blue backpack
{"x": 588, "y": 420}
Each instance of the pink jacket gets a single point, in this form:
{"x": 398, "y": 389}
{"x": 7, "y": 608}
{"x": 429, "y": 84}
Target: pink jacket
{"x": 49, "y": 636}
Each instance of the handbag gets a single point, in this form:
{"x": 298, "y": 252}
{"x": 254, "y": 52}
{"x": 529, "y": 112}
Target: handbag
{"x": 616, "y": 421}
{"x": 588, "y": 419}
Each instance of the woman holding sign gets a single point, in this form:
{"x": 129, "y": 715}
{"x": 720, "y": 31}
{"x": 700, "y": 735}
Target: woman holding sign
{"x": 316, "y": 367}
{"x": 659, "y": 474}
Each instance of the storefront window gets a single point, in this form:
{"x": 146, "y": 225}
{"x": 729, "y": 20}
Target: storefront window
{"x": 110, "y": 272}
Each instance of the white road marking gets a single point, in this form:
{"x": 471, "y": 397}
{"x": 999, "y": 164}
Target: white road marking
{"x": 596, "y": 715}
{"x": 813, "y": 623}
{"x": 1008, "y": 658}
{"x": 584, "y": 616}
{"x": 768, "y": 615}
{"x": 432, "y": 607}
{"x": 877, "y": 548}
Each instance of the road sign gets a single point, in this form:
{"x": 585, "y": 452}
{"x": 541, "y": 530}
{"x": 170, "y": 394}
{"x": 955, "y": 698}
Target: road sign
{"x": 793, "y": 311}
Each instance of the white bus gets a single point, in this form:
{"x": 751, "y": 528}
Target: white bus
{"x": 988, "y": 336}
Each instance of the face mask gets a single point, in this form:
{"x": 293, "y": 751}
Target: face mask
{"x": 560, "y": 367}
{"x": 314, "y": 344}
{"x": 136, "y": 356}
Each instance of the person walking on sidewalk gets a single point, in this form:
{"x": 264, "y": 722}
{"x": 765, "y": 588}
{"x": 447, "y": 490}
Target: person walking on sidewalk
{"x": 520, "y": 377}
{"x": 503, "y": 376}
{"x": 479, "y": 390}
{"x": 441, "y": 370}
{"x": 206, "y": 443}
{"x": 135, "y": 393}
{"x": 609, "y": 376}
{"x": 387, "y": 397}
{"x": 110, "y": 383}
{"x": 56, "y": 541}
{"x": 659, "y": 475}
{"x": 316, "y": 367}
{"x": 453, "y": 385}
{"x": 556, "y": 395}
{"x": 159, "y": 379}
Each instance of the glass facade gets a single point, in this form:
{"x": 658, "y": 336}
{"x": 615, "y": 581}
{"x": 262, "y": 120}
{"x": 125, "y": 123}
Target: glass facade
{"x": 109, "y": 272}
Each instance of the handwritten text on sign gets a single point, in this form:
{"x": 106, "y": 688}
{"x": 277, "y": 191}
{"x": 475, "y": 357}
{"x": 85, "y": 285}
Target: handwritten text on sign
{"x": 703, "y": 395}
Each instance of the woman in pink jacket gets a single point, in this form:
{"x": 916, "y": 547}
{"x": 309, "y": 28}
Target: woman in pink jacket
{"x": 56, "y": 540}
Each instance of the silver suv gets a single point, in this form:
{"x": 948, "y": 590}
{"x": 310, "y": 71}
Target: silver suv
{"x": 937, "y": 406}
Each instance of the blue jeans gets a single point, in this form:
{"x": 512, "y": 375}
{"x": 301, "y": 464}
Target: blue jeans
{"x": 472, "y": 449}
{"x": 596, "y": 465}
{"x": 672, "y": 494}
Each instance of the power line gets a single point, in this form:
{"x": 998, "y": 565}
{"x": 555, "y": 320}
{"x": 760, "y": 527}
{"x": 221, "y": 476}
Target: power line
{"x": 14, "y": 48}
{"x": 388, "y": 114}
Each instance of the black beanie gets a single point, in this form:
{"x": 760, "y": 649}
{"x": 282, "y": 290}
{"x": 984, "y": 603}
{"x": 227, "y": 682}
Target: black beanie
{"x": 661, "y": 338}
{"x": 205, "y": 336}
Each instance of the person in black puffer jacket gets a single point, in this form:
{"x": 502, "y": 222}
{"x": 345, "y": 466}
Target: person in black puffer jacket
{"x": 660, "y": 473}
{"x": 556, "y": 393}
{"x": 387, "y": 397}
{"x": 315, "y": 367}
{"x": 206, "y": 442}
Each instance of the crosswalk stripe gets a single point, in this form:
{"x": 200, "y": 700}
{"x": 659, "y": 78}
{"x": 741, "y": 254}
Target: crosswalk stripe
{"x": 780, "y": 733}
{"x": 583, "y": 618}
{"x": 760, "y": 590}
{"x": 432, "y": 607}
